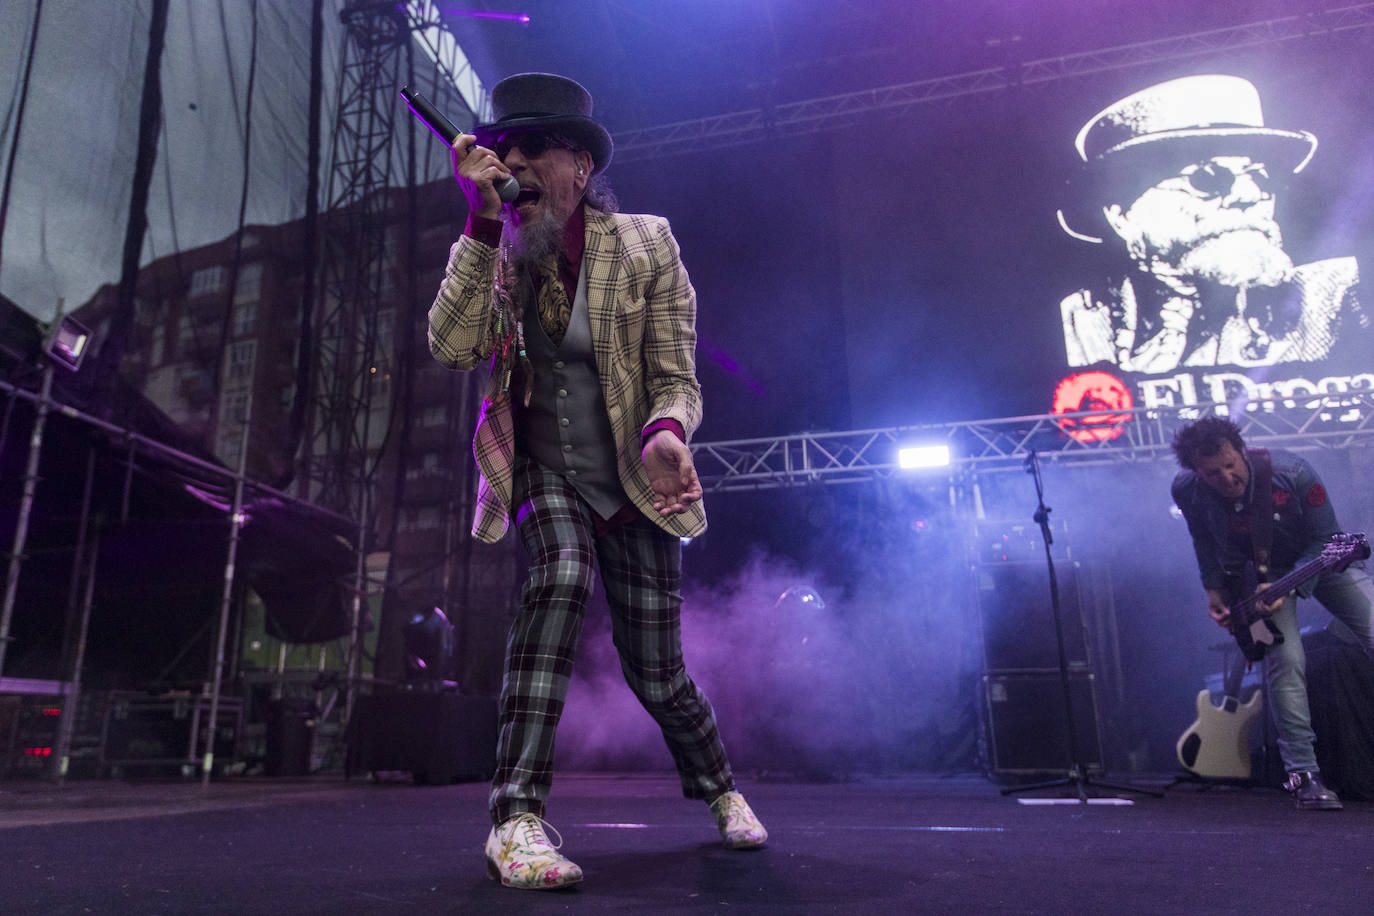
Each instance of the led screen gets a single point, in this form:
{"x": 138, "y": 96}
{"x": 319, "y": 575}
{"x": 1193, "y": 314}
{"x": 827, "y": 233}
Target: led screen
{"x": 1143, "y": 237}
{"x": 1182, "y": 232}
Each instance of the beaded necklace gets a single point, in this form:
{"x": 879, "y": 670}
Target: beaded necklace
{"x": 510, "y": 333}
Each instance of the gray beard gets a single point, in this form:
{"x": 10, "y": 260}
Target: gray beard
{"x": 532, "y": 243}
{"x": 1239, "y": 259}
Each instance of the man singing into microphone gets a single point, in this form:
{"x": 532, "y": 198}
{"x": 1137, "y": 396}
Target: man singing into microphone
{"x": 588, "y": 321}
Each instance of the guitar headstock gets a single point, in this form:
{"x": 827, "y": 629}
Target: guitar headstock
{"x": 1344, "y": 549}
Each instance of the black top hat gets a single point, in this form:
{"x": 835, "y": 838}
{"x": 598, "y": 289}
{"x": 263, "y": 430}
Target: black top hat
{"x": 1211, "y": 112}
{"x": 1135, "y": 140}
{"x": 548, "y": 102}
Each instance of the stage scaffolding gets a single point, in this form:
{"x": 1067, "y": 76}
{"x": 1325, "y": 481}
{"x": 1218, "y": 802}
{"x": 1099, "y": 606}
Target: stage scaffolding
{"x": 836, "y": 112}
{"x": 976, "y": 447}
{"x": 992, "y": 446}
{"x": 211, "y": 482}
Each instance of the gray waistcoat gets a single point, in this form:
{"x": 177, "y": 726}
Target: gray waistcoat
{"x": 566, "y": 427}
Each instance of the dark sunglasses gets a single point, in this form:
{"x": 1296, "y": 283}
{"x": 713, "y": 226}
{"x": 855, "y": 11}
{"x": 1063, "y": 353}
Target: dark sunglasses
{"x": 1211, "y": 179}
{"x": 532, "y": 144}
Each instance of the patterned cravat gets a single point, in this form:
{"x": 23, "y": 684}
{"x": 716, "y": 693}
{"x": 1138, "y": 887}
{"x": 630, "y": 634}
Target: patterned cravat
{"x": 555, "y": 311}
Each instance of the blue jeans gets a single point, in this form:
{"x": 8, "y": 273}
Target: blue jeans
{"x": 1350, "y": 599}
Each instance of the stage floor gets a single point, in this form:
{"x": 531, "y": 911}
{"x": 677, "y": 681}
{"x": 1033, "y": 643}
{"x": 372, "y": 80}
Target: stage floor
{"x": 889, "y": 845}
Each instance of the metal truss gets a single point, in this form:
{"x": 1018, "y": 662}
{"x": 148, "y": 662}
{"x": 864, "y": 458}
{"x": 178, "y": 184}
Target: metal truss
{"x": 357, "y": 363}
{"x": 840, "y": 111}
{"x": 993, "y": 446}
{"x": 355, "y": 262}
{"x": 452, "y": 68}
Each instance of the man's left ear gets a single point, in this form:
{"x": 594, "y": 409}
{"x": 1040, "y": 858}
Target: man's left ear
{"x": 584, "y": 166}
{"x": 1116, "y": 218}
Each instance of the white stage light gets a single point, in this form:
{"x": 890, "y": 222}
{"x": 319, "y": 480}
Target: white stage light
{"x": 923, "y": 456}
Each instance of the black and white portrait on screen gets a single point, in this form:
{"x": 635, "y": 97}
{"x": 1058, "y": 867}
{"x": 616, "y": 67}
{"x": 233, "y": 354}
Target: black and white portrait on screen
{"x": 1183, "y": 178}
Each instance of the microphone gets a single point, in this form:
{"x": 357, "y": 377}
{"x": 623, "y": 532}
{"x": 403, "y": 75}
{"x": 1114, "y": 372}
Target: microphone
{"x": 419, "y": 106}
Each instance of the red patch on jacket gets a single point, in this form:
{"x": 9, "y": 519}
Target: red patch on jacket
{"x": 1316, "y": 496}
{"x": 1281, "y": 498}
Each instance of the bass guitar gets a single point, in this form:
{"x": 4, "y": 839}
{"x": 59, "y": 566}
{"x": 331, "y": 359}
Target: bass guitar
{"x": 1217, "y": 744}
{"x": 1250, "y": 624}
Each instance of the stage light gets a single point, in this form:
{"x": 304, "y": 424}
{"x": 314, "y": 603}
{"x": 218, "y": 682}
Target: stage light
{"x": 798, "y": 596}
{"x": 428, "y": 639}
{"x": 522, "y": 18}
{"x": 67, "y": 343}
{"x": 923, "y": 456}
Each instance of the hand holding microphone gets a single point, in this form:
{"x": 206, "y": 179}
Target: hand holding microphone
{"x": 506, "y": 188}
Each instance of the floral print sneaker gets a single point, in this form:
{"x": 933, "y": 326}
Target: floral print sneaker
{"x": 737, "y": 823}
{"x": 520, "y": 854}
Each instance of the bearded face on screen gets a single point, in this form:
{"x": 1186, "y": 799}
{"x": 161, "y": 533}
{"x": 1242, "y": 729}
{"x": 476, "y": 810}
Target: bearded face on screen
{"x": 1212, "y": 223}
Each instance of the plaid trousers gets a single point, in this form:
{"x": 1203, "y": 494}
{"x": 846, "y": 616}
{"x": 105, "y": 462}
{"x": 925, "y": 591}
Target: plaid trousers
{"x": 641, "y": 572}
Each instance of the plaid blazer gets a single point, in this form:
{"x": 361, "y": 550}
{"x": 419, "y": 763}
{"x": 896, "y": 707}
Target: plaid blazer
{"x": 642, "y": 310}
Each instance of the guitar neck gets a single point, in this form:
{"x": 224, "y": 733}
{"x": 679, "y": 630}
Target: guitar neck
{"x": 1282, "y": 586}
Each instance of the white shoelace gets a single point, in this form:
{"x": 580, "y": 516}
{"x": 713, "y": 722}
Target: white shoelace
{"x": 530, "y": 828}
{"x": 735, "y": 808}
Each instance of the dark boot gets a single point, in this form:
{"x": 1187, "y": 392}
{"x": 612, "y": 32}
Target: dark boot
{"x": 1310, "y": 794}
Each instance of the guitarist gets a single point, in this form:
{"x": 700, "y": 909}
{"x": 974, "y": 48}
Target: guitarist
{"x": 1268, "y": 508}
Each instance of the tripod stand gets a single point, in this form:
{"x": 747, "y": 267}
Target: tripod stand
{"x": 1077, "y": 775}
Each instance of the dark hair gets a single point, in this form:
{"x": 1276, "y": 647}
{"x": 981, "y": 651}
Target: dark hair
{"x": 1204, "y": 438}
{"x": 599, "y": 195}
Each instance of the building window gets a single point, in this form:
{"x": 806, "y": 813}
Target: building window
{"x": 379, "y": 410}
{"x": 382, "y": 278}
{"x": 426, "y": 518}
{"x": 195, "y": 386}
{"x": 385, "y": 339}
{"x": 241, "y": 357}
{"x": 429, "y": 466}
{"x": 231, "y": 447}
{"x": 209, "y": 280}
{"x": 249, "y": 286}
{"x": 147, "y": 312}
{"x": 245, "y": 317}
{"x": 186, "y": 335}
{"x": 235, "y": 409}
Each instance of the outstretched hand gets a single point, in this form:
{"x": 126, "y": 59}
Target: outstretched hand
{"x": 672, "y": 475}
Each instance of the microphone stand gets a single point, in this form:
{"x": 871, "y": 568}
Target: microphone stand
{"x": 1077, "y": 775}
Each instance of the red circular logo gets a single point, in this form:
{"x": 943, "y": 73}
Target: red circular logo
{"x": 1096, "y": 391}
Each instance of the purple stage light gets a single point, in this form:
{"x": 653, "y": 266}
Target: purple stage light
{"x": 730, "y": 365}
{"x": 523, "y": 18}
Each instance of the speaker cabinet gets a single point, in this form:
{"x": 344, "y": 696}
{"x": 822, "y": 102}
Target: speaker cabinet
{"x": 439, "y": 737}
{"x": 1017, "y": 616}
{"x": 1027, "y": 728}
{"x": 166, "y": 732}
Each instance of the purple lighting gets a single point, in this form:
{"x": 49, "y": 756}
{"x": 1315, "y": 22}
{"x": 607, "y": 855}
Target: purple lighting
{"x": 485, "y": 14}
{"x": 730, "y": 365}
